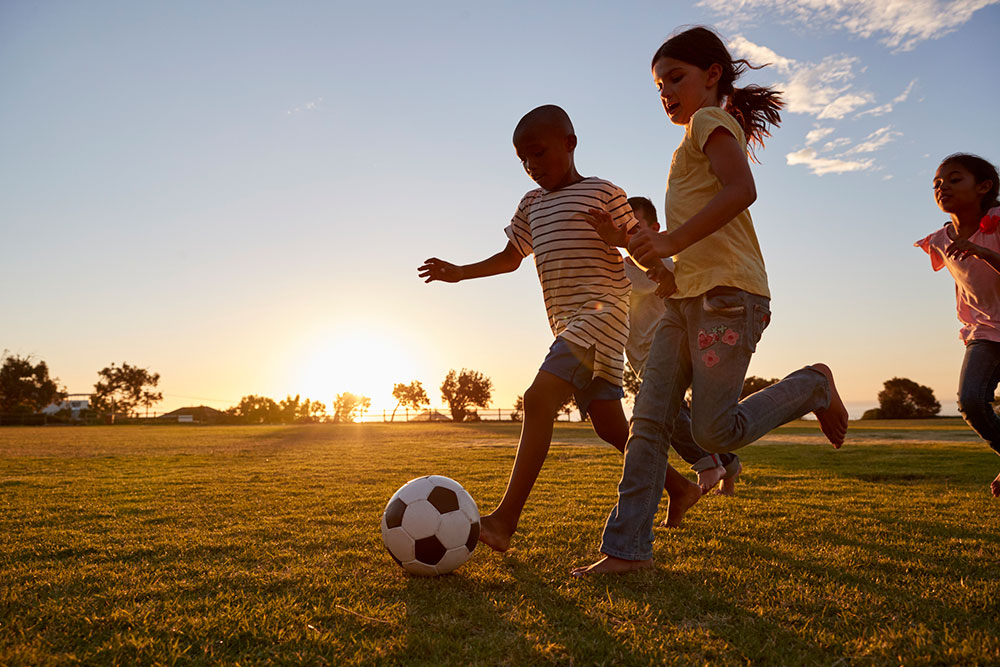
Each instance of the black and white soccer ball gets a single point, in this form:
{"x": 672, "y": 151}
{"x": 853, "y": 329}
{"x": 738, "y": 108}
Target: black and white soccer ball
{"x": 430, "y": 525}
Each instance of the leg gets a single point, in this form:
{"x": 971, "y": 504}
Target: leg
{"x": 977, "y": 385}
{"x": 541, "y": 402}
{"x": 628, "y": 533}
{"x": 724, "y": 327}
{"x": 710, "y": 467}
{"x": 610, "y": 424}
{"x": 728, "y": 486}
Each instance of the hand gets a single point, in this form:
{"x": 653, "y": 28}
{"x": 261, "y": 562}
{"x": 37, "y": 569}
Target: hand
{"x": 667, "y": 285}
{"x": 605, "y": 227}
{"x": 648, "y": 247}
{"x": 963, "y": 248}
{"x": 438, "y": 269}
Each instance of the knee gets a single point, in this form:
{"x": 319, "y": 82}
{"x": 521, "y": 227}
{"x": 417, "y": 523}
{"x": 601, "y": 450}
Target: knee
{"x": 538, "y": 400}
{"x": 972, "y": 407}
{"x": 710, "y": 438}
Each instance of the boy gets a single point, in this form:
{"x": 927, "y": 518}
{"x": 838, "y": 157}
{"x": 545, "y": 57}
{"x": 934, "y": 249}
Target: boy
{"x": 646, "y": 308}
{"x": 586, "y": 298}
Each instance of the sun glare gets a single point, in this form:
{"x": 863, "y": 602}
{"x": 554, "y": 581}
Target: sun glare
{"x": 361, "y": 362}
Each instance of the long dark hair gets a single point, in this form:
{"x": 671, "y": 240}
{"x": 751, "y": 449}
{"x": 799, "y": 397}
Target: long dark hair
{"x": 755, "y": 108}
{"x": 981, "y": 170}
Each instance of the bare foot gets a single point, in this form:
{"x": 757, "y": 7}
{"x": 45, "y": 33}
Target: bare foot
{"x": 833, "y": 419}
{"x": 728, "y": 487}
{"x": 612, "y": 565}
{"x": 680, "y": 503}
{"x": 995, "y": 487}
{"x": 494, "y": 534}
{"x": 709, "y": 478}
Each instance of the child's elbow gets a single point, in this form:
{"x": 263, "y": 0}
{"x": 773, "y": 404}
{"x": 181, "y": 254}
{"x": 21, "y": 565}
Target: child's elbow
{"x": 749, "y": 194}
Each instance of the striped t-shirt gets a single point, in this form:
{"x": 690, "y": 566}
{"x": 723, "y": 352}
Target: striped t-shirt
{"x": 583, "y": 278}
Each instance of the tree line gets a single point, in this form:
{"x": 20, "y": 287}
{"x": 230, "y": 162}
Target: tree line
{"x": 125, "y": 390}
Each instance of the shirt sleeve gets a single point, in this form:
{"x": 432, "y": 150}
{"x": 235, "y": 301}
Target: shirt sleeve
{"x": 707, "y": 120}
{"x": 620, "y": 210}
{"x": 519, "y": 231}
{"x": 937, "y": 261}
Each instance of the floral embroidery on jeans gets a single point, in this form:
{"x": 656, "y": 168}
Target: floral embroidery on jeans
{"x": 710, "y": 358}
{"x": 706, "y": 339}
{"x": 709, "y": 338}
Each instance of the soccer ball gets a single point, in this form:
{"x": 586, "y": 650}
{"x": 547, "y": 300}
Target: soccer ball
{"x": 430, "y": 525}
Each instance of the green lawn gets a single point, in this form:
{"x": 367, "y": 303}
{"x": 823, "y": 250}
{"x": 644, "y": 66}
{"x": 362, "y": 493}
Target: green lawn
{"x": 254, "y": 545}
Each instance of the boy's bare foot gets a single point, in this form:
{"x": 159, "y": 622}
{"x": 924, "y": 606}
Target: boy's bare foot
{"x": 728, "y": 487}
{"x": 612, "y": 565}
{"x": 494, "y": 534}
{"x": 680, "y": 503}
{"x": 995, "y": 487}
{"x": 833, "y": 419}
{"x": 707, "y": 479}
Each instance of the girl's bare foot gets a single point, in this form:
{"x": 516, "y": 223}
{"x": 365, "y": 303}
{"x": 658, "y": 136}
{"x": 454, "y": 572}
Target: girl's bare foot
{"x": 680, "y": 502}
{"x": 612, "y": 565}
{"x": 728, "y": 487}
{"x": 707, "y": 479}
{"x": 833, "y": 419}
{"x": 494, "y": 534}
{"x": 995, "y": 487}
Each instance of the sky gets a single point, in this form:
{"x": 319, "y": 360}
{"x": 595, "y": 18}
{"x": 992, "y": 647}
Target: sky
{"x": 236, "y": 195}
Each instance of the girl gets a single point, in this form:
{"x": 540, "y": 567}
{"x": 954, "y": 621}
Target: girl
{"x": 965, "y": 187}
{"x": 720, "y": 306}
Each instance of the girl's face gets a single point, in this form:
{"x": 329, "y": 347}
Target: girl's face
{"x": 685, "y": 88}
{"x": 956, "y": 190}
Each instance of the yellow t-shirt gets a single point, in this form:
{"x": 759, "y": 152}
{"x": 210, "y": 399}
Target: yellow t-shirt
{"x": 731, "y": 256}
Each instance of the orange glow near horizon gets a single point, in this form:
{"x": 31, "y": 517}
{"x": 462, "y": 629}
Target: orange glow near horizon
{"x": 359, "y": 361}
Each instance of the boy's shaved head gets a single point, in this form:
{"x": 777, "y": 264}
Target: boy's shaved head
{"x": 547, "y": 118}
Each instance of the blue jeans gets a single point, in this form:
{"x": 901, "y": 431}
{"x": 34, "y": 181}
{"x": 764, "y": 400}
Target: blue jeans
{"x": 683, "y": 443}
{"x": 705, "y": 343}
{"x": 976, "y": 386}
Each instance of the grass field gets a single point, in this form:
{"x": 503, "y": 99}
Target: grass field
{"x": 253, "y": 545}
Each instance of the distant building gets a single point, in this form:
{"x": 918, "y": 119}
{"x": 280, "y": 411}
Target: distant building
{"x": 198, "y": 415}
{"x": 73, "y": 402}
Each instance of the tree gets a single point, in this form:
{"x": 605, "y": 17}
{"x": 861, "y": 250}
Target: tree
{"x": 26, "y": 388}
{"x": 347, "y": 407}
{"x": 311, "y": 412}
{"x": 465, "y": 389}
{"x": 256, "y": 410}
{"x": 410, "y": 395}
{"x": 631, "y": 384}
{"x": 903, "y": 398}
{"x": 752, "y": 384}
{"x": 122, "y": 389}
{"x": 518, "y": 413}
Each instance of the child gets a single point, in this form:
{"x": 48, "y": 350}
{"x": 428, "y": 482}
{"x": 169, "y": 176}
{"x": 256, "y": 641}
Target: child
{"x": 586, "y": 298}
{"x": 721, "y": 305}
{"x": 644, "y": 312}
{"x": 965, "y": 187}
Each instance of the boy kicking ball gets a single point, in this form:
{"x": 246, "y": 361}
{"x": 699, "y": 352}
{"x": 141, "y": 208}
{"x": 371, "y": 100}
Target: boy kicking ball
{"x": 586, "y": 298}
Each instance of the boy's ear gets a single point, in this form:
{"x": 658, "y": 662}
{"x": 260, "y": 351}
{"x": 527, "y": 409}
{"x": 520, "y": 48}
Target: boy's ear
{"x": 714, "y": 74}
{"x": 570, "y": 143}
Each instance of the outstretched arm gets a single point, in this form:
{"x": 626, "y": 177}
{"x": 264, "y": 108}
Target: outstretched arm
{"x": 729, "y": 163}
{"x": 963, "y": 248}
{"x": 504, "y": 261}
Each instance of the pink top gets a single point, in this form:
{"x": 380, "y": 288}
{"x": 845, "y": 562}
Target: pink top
{"x": 977, "y": 284}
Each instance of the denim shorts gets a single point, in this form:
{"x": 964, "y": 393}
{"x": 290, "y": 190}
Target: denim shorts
{"x": 575, "y": 364}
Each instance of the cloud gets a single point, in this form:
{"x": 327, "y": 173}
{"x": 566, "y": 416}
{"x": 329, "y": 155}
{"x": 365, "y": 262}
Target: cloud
{"x": 888, "y": 107}
{"x": 812, "y": 136}
{"x": 825, "y": 89}
{"x": 827, "y": 165}
{"x": 900, "y": 24}
{"x": 875, "y": 140}
{"x": 308, "y": 106}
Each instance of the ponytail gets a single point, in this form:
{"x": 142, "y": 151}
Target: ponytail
{"x": 755, "y": 108}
